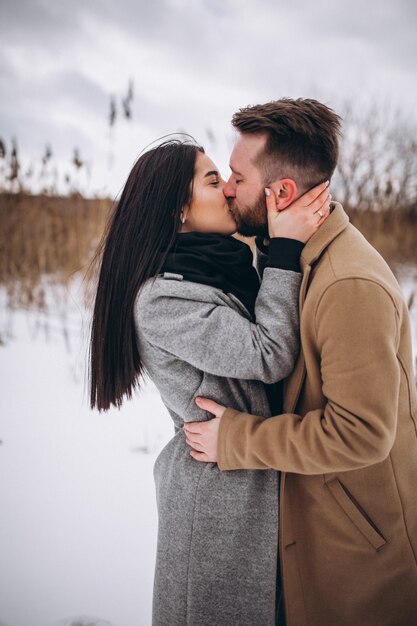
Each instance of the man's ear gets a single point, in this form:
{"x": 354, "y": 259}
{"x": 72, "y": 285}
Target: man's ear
{"x": 286, "y": 192}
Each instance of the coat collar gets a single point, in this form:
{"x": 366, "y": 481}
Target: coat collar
{"x": 314, "y": 248}
{"x": 332, "y": 227}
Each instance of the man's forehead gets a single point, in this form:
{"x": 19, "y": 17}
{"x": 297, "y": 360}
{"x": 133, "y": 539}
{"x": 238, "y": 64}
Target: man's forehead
{"x": 246, "y": 148}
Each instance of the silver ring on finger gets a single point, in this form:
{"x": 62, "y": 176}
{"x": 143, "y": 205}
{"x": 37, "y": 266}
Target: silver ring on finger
{"x": 320, "y": 213}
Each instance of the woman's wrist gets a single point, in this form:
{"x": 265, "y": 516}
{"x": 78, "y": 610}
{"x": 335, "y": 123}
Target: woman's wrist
{"x": 284, "y": 253}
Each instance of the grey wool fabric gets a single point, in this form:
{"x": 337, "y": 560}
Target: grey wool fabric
{"x": 218, "y": 531}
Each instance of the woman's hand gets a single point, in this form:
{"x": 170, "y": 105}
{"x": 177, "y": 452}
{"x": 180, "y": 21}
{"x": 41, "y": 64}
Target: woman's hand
{"x": 303, "y": 217}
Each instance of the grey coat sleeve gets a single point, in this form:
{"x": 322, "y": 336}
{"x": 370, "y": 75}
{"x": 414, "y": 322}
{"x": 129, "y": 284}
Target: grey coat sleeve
{"x": 215, "y": 338}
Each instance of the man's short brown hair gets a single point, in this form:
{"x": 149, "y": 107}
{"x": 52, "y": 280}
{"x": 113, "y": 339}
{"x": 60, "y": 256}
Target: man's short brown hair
{"x": 303, "y": 139}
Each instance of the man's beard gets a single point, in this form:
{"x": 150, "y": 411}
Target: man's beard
{"x": 251, "y": 220}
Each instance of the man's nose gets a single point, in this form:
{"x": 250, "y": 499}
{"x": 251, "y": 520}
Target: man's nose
{"x": 229, "y": 190}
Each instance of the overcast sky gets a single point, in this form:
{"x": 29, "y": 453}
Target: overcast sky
{"x": 193, "y": 63}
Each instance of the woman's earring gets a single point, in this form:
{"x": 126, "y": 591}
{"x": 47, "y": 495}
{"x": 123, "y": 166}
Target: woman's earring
{"x": 182, "y": 218}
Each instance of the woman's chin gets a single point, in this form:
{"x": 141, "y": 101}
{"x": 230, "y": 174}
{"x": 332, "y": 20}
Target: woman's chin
{"x": 228, "y": 231}
{"x": 233, "y": 228}
{"x": 228, "y": 228}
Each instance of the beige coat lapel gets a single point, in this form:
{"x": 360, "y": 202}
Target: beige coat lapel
{"x": 312, "y": 251}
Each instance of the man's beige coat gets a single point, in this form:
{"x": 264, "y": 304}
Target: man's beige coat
{"x": 346, "y": 444}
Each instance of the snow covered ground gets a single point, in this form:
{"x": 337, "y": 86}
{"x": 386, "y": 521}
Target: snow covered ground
{"x": 78, "y": 514}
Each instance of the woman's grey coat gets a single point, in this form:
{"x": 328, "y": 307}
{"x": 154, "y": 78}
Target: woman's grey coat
{"x": 218, "y": 531}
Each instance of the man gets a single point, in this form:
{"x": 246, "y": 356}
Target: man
{"x": 346, "y": 441}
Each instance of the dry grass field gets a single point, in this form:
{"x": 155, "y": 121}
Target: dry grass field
{"x": 393, "y": 233}
{"x": 45, "y": 240}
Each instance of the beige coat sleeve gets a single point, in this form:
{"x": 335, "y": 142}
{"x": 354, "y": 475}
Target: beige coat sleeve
{"x": 356, "y": 328}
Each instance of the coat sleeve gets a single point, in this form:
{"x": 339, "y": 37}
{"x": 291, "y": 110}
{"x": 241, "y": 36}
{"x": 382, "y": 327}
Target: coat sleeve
{"x": 217, "y": 339}
{"x": 356, "y": 329}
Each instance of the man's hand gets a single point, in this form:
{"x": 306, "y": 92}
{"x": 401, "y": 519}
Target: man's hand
{"x": 202, "y": 436}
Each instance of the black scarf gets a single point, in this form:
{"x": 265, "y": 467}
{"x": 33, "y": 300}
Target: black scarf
{"x": 217, "y": 260}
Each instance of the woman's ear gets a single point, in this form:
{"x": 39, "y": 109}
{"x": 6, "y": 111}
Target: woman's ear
{"x": 286, "y": 192}
{"x": 184, "y": 213}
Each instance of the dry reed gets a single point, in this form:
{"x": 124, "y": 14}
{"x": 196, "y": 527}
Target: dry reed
{"x": 45, "y": 239}
{"x": 52, "y": 238}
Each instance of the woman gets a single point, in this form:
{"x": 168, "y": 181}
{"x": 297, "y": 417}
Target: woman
{"x": 178, "y": 298}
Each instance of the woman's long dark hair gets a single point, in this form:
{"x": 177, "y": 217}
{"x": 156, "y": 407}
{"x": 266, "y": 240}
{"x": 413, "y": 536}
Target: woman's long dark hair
{"x": 134, "y": 247}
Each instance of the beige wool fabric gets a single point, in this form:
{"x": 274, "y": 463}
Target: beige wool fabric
{"x": 346, "y": 445}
